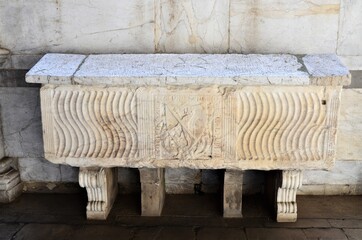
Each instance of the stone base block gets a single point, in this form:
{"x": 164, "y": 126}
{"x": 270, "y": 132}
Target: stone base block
{"x": 10, "y": 195}
{"x": 101, "y": 186}
{"x": 286, "y": 217}
{"x": 152, "y": 191}
{"x": 6, "y": 164}
{"x": 9, "y": 180}
{"x": 233, "y": 189}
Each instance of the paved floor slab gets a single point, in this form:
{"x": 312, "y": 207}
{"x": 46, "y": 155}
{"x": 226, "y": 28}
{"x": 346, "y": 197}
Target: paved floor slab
{"x": 327, "y": 233}
{"x": 221, "y": 234}
{"x": 8, "y": 230}
{"x": 45, "y": 231}
{"x": 353, "y": 234}
{"x": 275, "y": 234}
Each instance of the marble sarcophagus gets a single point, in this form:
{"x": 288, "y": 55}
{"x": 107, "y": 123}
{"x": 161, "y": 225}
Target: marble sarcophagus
{"x": 155, "y": 111}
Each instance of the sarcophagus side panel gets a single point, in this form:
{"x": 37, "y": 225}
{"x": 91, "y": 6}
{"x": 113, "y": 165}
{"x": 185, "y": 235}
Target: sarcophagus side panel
{"x": 263, "y": 127}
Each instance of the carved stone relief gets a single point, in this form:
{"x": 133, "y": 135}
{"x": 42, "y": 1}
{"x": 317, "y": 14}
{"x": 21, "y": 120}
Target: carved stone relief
{"x": 279, "y": 125}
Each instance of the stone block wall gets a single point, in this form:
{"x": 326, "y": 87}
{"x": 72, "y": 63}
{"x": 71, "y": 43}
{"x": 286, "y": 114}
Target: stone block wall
{"x": 34, "y": 27}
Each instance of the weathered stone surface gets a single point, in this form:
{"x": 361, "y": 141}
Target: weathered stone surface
{"x": 153, "y": 191}
{"x": 344, "y": 172}
{"x": 284, "y": 26}
{"x": 350, "y": 28}
{"x": 21, "y": 121}
{"x": 349, "y": 123}
{"x": 6, "y": 164}
{"x": 139, "y": 121}
{"x": 191, "y": 26}
{"x": 170, "y": 69}
{"x": 10, "y": 183}
{"x": 101, "y": 186}
{"x": 319, "y": 66}
{"x": 154, "y": 123}
{"x": 115, "y": 26}
{"x": 55, "y": 68}
{"x": 11, "y": 194}
{"x": 182, "y": 180}
{"x": 233, "y": 193}
{"x": 40, "y": 170}
{"x": 9, "y": 180}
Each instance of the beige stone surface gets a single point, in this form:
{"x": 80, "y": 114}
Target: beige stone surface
{"x": 300, "y": 27}
{"x": 152, "y": 191}
{"x": 101, "y": 186}
{"x": 349, "y": 125}
{"x": 195, "y": 128}
{"x": 192, "y": 26}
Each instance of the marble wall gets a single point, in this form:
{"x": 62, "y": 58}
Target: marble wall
{"x": 34, "y": 27}
{"x": 28, "y": 29}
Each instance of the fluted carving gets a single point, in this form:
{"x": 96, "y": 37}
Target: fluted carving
{"x": 98, "y": 124}
{"x": 245, "y": 128}
{"x": 288, "y": 182}
{"x": 101, "y": 186}
{"x": 281, "y": 125}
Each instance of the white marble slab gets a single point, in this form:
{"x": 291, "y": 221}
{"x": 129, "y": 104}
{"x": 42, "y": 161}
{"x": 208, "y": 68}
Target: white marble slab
{"x": 186, "y": 69}
{"x": 77, "y": 26}
{"x": 55, "y": 68}
{"x": 284, "y": 26}
{"x": 350, "y": 28}
{"x": 350, "y": 126}
{"x": 192, "y": 26}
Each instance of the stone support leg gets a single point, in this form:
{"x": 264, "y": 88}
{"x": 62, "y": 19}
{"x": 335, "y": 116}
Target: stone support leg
{"x": 11, "y": 186}
{"x": 101, "y": 186}
{"x": 153, "y": 191}
{"x": 287, "y": 184}
{"x": 233, "y": 189}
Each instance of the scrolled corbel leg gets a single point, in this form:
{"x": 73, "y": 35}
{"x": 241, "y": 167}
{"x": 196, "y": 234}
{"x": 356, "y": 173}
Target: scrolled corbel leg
{"x": 287, "y": 184}
{"x": 152, "y": 191}
{"x": 101, "y": 186}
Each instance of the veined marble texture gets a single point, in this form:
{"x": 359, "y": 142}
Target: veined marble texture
{"x": 284, "y": 26}
{"x": 192, "y": 26}
{"x": 253, "y": 127}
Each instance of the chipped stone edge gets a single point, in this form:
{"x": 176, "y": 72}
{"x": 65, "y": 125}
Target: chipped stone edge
{"x": 51, "y": 79}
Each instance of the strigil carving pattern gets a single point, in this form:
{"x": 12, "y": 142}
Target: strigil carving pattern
{"x": 98, "y": 124}
{"x": 280, "y": 125}
{"x": 242, "y": 127}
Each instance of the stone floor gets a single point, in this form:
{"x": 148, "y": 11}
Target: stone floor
{"x": 62, "y": 216}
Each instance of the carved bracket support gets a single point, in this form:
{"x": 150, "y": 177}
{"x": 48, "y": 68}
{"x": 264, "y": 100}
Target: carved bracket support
{"x": 287, "y": 184}
{"x": 101, "y": 186}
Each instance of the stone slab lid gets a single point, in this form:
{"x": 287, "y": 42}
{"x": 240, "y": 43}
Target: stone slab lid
{"x": 190, "y": 69}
